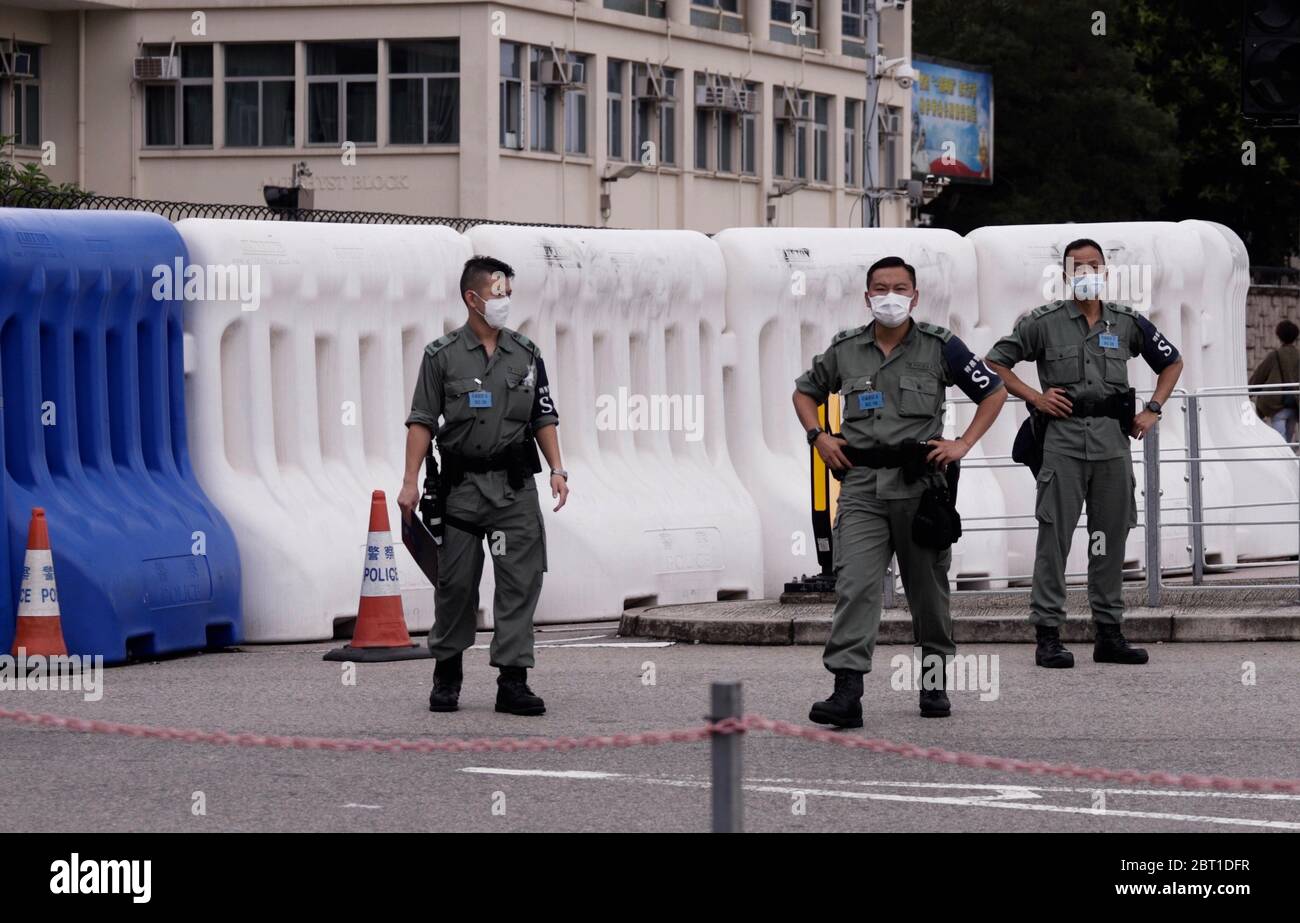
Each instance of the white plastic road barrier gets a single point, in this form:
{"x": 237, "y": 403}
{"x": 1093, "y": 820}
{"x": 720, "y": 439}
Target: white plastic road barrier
{"x": 298, "y": 398}
{"x": 789, "y": 291}
{"x": 630, "y": 327}
{"x": 1218, "y": 322}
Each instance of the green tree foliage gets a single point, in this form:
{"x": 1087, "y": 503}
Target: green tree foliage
{"x": 1189, "y": 55}
{"x": 1077, "y": 136}
{"x": 23, "y": 180}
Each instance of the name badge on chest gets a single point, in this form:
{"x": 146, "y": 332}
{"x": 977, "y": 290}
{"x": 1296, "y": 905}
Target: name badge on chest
{"x": 871, "y": 400}
{"x": 480, "y": 398}
{"x": 1108, "y": 341}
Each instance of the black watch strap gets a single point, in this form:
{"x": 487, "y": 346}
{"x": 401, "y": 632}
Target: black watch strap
{"x": 814, "y": 433}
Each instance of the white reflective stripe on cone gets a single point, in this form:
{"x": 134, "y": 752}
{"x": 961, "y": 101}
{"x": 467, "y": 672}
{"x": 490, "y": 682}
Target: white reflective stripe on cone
{"x": 380, "y": 575}
{"x": 37, "y": 596}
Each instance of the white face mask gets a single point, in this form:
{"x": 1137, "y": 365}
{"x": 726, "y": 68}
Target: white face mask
{"x": 892, "y": 309}
{"x": 496, "y": 312}
{"x": 1088, "y": 286}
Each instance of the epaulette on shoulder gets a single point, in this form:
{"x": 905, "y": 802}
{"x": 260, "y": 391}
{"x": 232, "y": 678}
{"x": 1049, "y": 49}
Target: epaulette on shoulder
{"x": 943, "y": 333}
{"x": 846, "y": 334}
{"x": 525, "y": 342}
{"x": 1122, "y": 308}
{"x": 1046, "y": 309}
{"x": 433, "y": 348}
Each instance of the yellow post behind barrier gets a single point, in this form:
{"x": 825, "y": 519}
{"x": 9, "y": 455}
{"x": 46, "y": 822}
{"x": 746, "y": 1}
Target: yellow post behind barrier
{"x": 825, "y": 489}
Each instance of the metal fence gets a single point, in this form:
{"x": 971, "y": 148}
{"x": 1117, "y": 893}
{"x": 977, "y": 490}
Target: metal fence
{"x": 1153, "y": 569}
{"x": 175, "y": 211}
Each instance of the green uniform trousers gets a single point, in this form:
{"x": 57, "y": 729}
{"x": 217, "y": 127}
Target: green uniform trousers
{"x": 868, "y": 531}
{"x": 516, "y": 539}
{"x": 1064, "y": 484}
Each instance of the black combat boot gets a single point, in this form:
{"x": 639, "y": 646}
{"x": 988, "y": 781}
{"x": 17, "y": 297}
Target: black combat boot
{"x": 934, "y": 701}
{"x": 1112, "y": 647}
{"x": 1051, "y": 652}
{"x": 844, "y": 708}
{"x": 447, "y": 675}
{"x": 513, "y": 695}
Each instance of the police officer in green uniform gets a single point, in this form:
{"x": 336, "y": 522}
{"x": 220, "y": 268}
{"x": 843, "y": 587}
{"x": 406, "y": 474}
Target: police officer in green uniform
{"x": 1082, "y": 346}
{"x": 892, "y": 373}
{"x": 488, "y": 386}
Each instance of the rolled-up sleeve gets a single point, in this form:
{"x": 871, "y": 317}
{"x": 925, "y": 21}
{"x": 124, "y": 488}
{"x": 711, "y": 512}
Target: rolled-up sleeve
{"x": 975, "y": 379}
{"x": 544, "y": 412}
{"x": 1152, "y": 345}
{"x": 426, "y": 402}
{"x": 820, "y": 380}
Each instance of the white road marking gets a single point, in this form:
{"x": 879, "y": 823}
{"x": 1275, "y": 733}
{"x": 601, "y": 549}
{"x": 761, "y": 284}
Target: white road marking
{"x": 368, "y": 807}
{"x": 620, "y": 644}
{"x": 545, "y": 773}
{"x": 1175, "y": 793}
{"x": 1012, "y": 797}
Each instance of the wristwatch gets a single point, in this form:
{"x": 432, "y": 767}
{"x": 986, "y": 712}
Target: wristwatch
{"x": 814, "y": 433}
{"x": 560, "y": 472}
{"x": 1153, "y": 406}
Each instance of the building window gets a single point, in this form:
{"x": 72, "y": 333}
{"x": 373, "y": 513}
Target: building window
{"x": 512, "y": 90}
{"x": 24, "y": 92}
{"x": 543, "y": 102}
{"x": 655, "y": 117}
{"x": 720, "y": 124}
{"x": 789, "y": 15}
{"x": 342, "y": 92}
{"x": 852, "y": 144}
{"x": 656, "y": 9}
{"x": 424, "y": 91}
{"x": 259, "y": 95}
{"x": 749, "y": 139}
{"x": 575, "y": 104}
{"x": 891, "y": 142}
{"x": 854, "y": 27}
{"x": 801, "y": 135}
{"x": 723, "y": 15}
{"x": 615, "y": 112}
{"x": 821, "y": 138}
{"x": 178, "y": 112}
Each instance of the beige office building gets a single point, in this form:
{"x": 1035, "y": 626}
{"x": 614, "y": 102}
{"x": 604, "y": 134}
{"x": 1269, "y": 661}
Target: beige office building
{"x": 697, "y": 114}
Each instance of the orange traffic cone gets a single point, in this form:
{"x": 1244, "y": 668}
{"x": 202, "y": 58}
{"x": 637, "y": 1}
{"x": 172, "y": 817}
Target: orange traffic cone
{"x": 380, "y": 632}
{"x": 39, "y": 630}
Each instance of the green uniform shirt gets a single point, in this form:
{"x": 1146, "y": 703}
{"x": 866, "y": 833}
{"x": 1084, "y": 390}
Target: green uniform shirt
{"x": 1086, "y": 363}
{"x": 485, "y": 404}
{"x": 895, "y": 399}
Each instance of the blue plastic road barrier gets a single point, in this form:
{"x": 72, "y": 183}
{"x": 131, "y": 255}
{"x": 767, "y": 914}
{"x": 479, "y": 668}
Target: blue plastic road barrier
{"x": 92, "y": 428}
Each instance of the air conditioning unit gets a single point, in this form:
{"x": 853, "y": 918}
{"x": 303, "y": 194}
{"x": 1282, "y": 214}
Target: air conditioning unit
{"x": 15, "y": 64}
{"x": 749, "y": 100}
{"x": 797, "y": 110}
{"x": 712, "y": 96}
{"x": 645, "y": 88}
{"x": 156, "y": 67}
{"x": 550, "y": 73}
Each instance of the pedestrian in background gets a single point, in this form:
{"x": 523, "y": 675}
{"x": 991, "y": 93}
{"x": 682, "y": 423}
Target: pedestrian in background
{"x": 1280, "y": 367}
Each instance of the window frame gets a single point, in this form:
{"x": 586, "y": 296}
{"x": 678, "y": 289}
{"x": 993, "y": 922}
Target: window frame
{"x": 261, "y": 81}
{"x": 178, "y": 104}
{"x": 423, "y": 80}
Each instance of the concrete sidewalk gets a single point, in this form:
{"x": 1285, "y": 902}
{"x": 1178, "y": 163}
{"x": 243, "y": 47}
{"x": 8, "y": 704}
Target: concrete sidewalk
{"x": 1186, "y": 614}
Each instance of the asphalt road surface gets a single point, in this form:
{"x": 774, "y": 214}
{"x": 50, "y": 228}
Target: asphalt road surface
{"x": 1187, "y": 711}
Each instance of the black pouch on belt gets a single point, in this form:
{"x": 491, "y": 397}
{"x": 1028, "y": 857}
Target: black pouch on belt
{"x": 1028, "y": 446}
{"x": 937, "y": 524}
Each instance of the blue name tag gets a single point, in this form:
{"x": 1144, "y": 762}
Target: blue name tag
{"x": 1108, "y": 341}
{"x": 871, "y": 400}
{"x": 480, "y": 398}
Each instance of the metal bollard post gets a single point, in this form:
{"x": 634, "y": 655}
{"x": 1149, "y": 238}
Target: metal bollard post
{"x": 728, "y": 790}
{"x": 1151, "y": 495}
{"x": 1193, "y": 407}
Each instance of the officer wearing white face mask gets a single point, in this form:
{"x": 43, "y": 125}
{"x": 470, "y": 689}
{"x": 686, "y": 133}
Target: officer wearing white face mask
{"x": 483, "y": 390}
{"x": 894, "y": 498}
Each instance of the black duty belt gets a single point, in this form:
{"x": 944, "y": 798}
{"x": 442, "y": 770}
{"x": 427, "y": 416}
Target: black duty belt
{"x": 909, "y": 456}
{"x": 1028, "y": 448}
{"x": 520, "y": 461}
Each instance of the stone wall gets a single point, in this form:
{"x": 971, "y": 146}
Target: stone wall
{"x": 1265, "y": 306}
